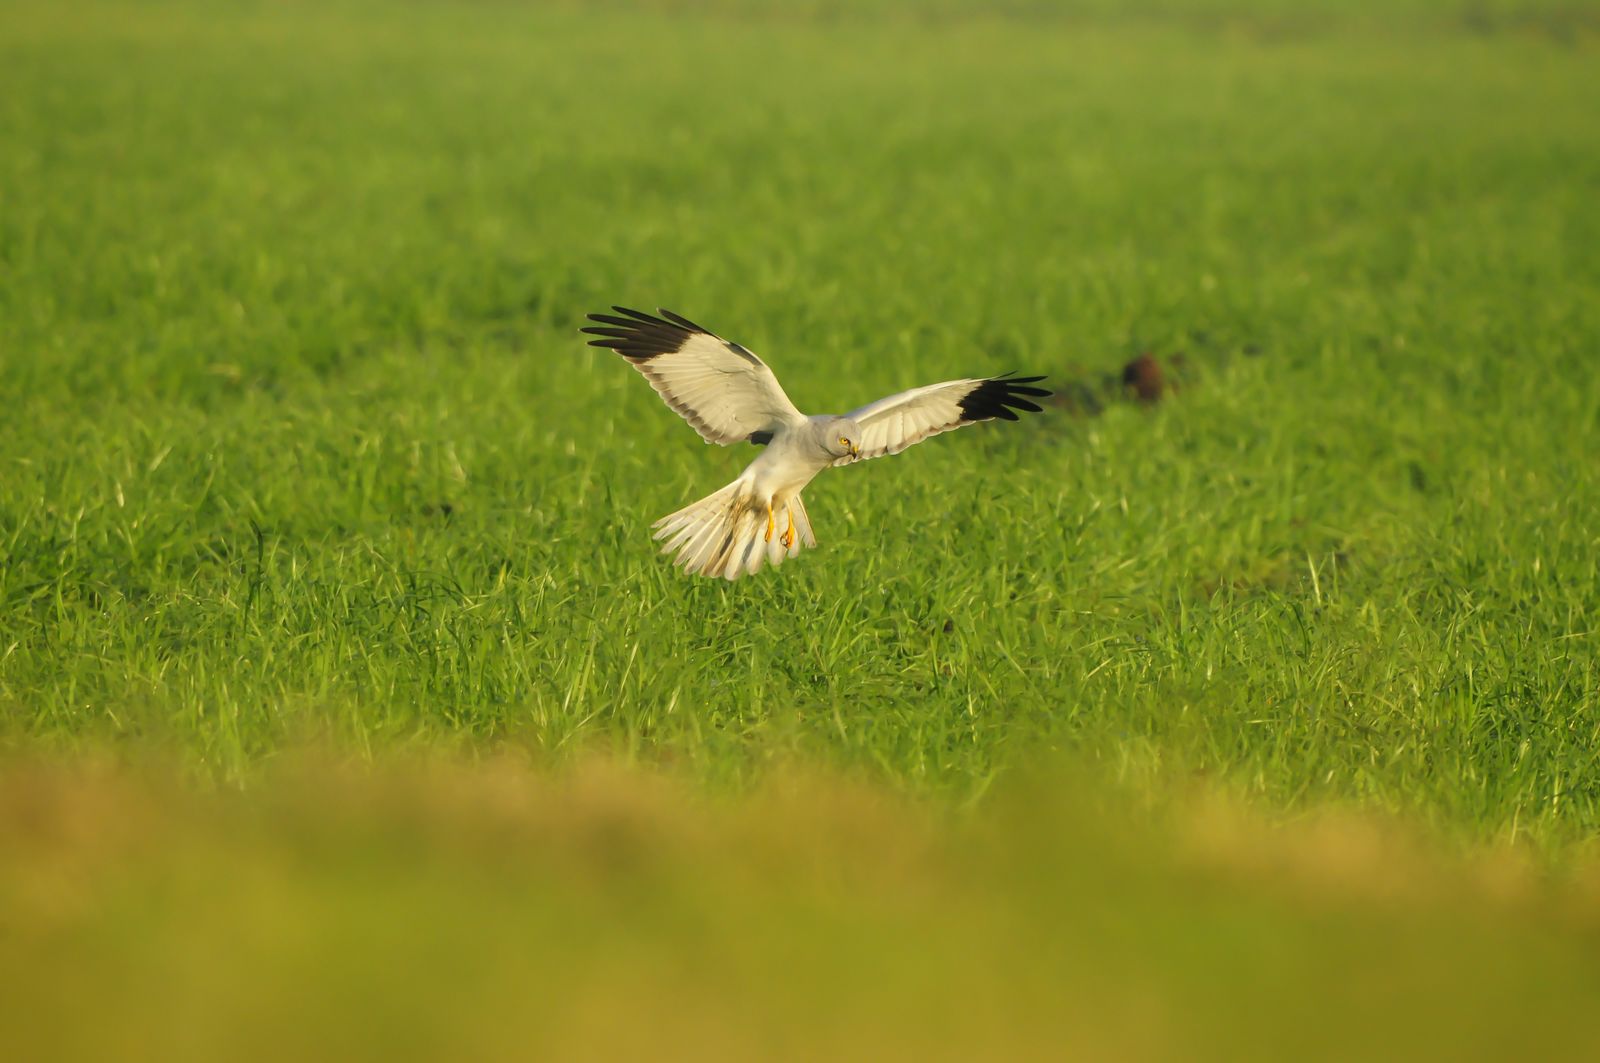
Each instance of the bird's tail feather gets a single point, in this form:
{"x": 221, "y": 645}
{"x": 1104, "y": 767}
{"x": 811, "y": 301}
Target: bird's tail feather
{"x": 725, "y": 533}
{"x": 802, "y": 525}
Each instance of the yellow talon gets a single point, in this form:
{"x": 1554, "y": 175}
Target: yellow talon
{"x": 769, "y": 522}
{"x": 788, "y": 536}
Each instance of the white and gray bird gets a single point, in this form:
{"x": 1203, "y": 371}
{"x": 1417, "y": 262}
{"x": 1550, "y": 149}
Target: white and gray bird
{"x": 730, "y": 396}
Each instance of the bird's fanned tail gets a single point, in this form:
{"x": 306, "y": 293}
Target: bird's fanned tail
{"x": 727, "y": 533}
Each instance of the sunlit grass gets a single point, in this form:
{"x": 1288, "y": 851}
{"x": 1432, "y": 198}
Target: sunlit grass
{"x": 302, "y": 440}
{"x": 301, "y": 449}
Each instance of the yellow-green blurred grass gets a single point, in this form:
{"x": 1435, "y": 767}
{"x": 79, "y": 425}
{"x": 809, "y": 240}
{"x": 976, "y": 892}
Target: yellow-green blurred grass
{"x": 436, "y": 908}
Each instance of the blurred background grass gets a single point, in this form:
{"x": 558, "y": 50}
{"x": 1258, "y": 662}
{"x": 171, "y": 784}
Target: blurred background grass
{"x": 302, "y": 450}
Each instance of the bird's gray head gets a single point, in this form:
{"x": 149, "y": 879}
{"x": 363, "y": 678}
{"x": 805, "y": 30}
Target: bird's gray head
{"x": 840, "y": 437}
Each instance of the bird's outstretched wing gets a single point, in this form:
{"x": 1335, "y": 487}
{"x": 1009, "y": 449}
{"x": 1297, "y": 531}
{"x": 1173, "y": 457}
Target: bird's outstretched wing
{"x": 726, "y": 393}
{"x": 892, "y": 424}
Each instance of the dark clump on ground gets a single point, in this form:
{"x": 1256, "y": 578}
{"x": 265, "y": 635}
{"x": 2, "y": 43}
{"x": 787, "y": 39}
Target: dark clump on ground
{"x": 1144, "y": 379}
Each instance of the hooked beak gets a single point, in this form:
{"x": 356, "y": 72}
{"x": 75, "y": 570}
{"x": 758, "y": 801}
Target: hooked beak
{"x": 855, "y": 451}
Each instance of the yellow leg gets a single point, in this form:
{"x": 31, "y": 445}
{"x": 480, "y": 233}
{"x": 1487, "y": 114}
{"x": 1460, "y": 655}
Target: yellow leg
{"x": 788, "y": 536}
{"x": 769, "y": 522}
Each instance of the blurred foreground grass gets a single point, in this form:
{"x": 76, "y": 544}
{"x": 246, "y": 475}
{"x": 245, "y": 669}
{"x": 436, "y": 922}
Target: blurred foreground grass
{"x": 443, "y": 910}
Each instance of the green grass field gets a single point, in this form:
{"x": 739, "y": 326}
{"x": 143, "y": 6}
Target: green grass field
{"x": 326, "y": 579}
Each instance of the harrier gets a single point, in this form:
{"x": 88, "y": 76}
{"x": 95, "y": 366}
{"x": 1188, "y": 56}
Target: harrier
{"x": 730, "y": 396}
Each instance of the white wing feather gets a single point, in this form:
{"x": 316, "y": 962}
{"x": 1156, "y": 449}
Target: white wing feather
{"x": 726, "y": 393}
{"x": 894, "y": 423}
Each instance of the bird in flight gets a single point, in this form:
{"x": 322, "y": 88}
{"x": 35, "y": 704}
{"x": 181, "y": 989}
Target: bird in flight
{"x": 729, "y": 396}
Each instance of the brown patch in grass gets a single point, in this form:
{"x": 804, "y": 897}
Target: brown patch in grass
{"x": 1144, "y": 378}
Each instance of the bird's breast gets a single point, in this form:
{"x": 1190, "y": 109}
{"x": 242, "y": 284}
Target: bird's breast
{"x": 784, "y": 468}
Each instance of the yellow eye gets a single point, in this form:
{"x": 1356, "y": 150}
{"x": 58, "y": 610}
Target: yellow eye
{"x": 843, "y": 442}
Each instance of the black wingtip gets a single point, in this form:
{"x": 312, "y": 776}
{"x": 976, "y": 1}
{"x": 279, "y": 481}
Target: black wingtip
{"x": 639, "y": 336}
{"x": 1001, "y": 397}
{"x": 680, "y": 321}
{"x": 636, "y": 335}
{"x": 637, "y": 315}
